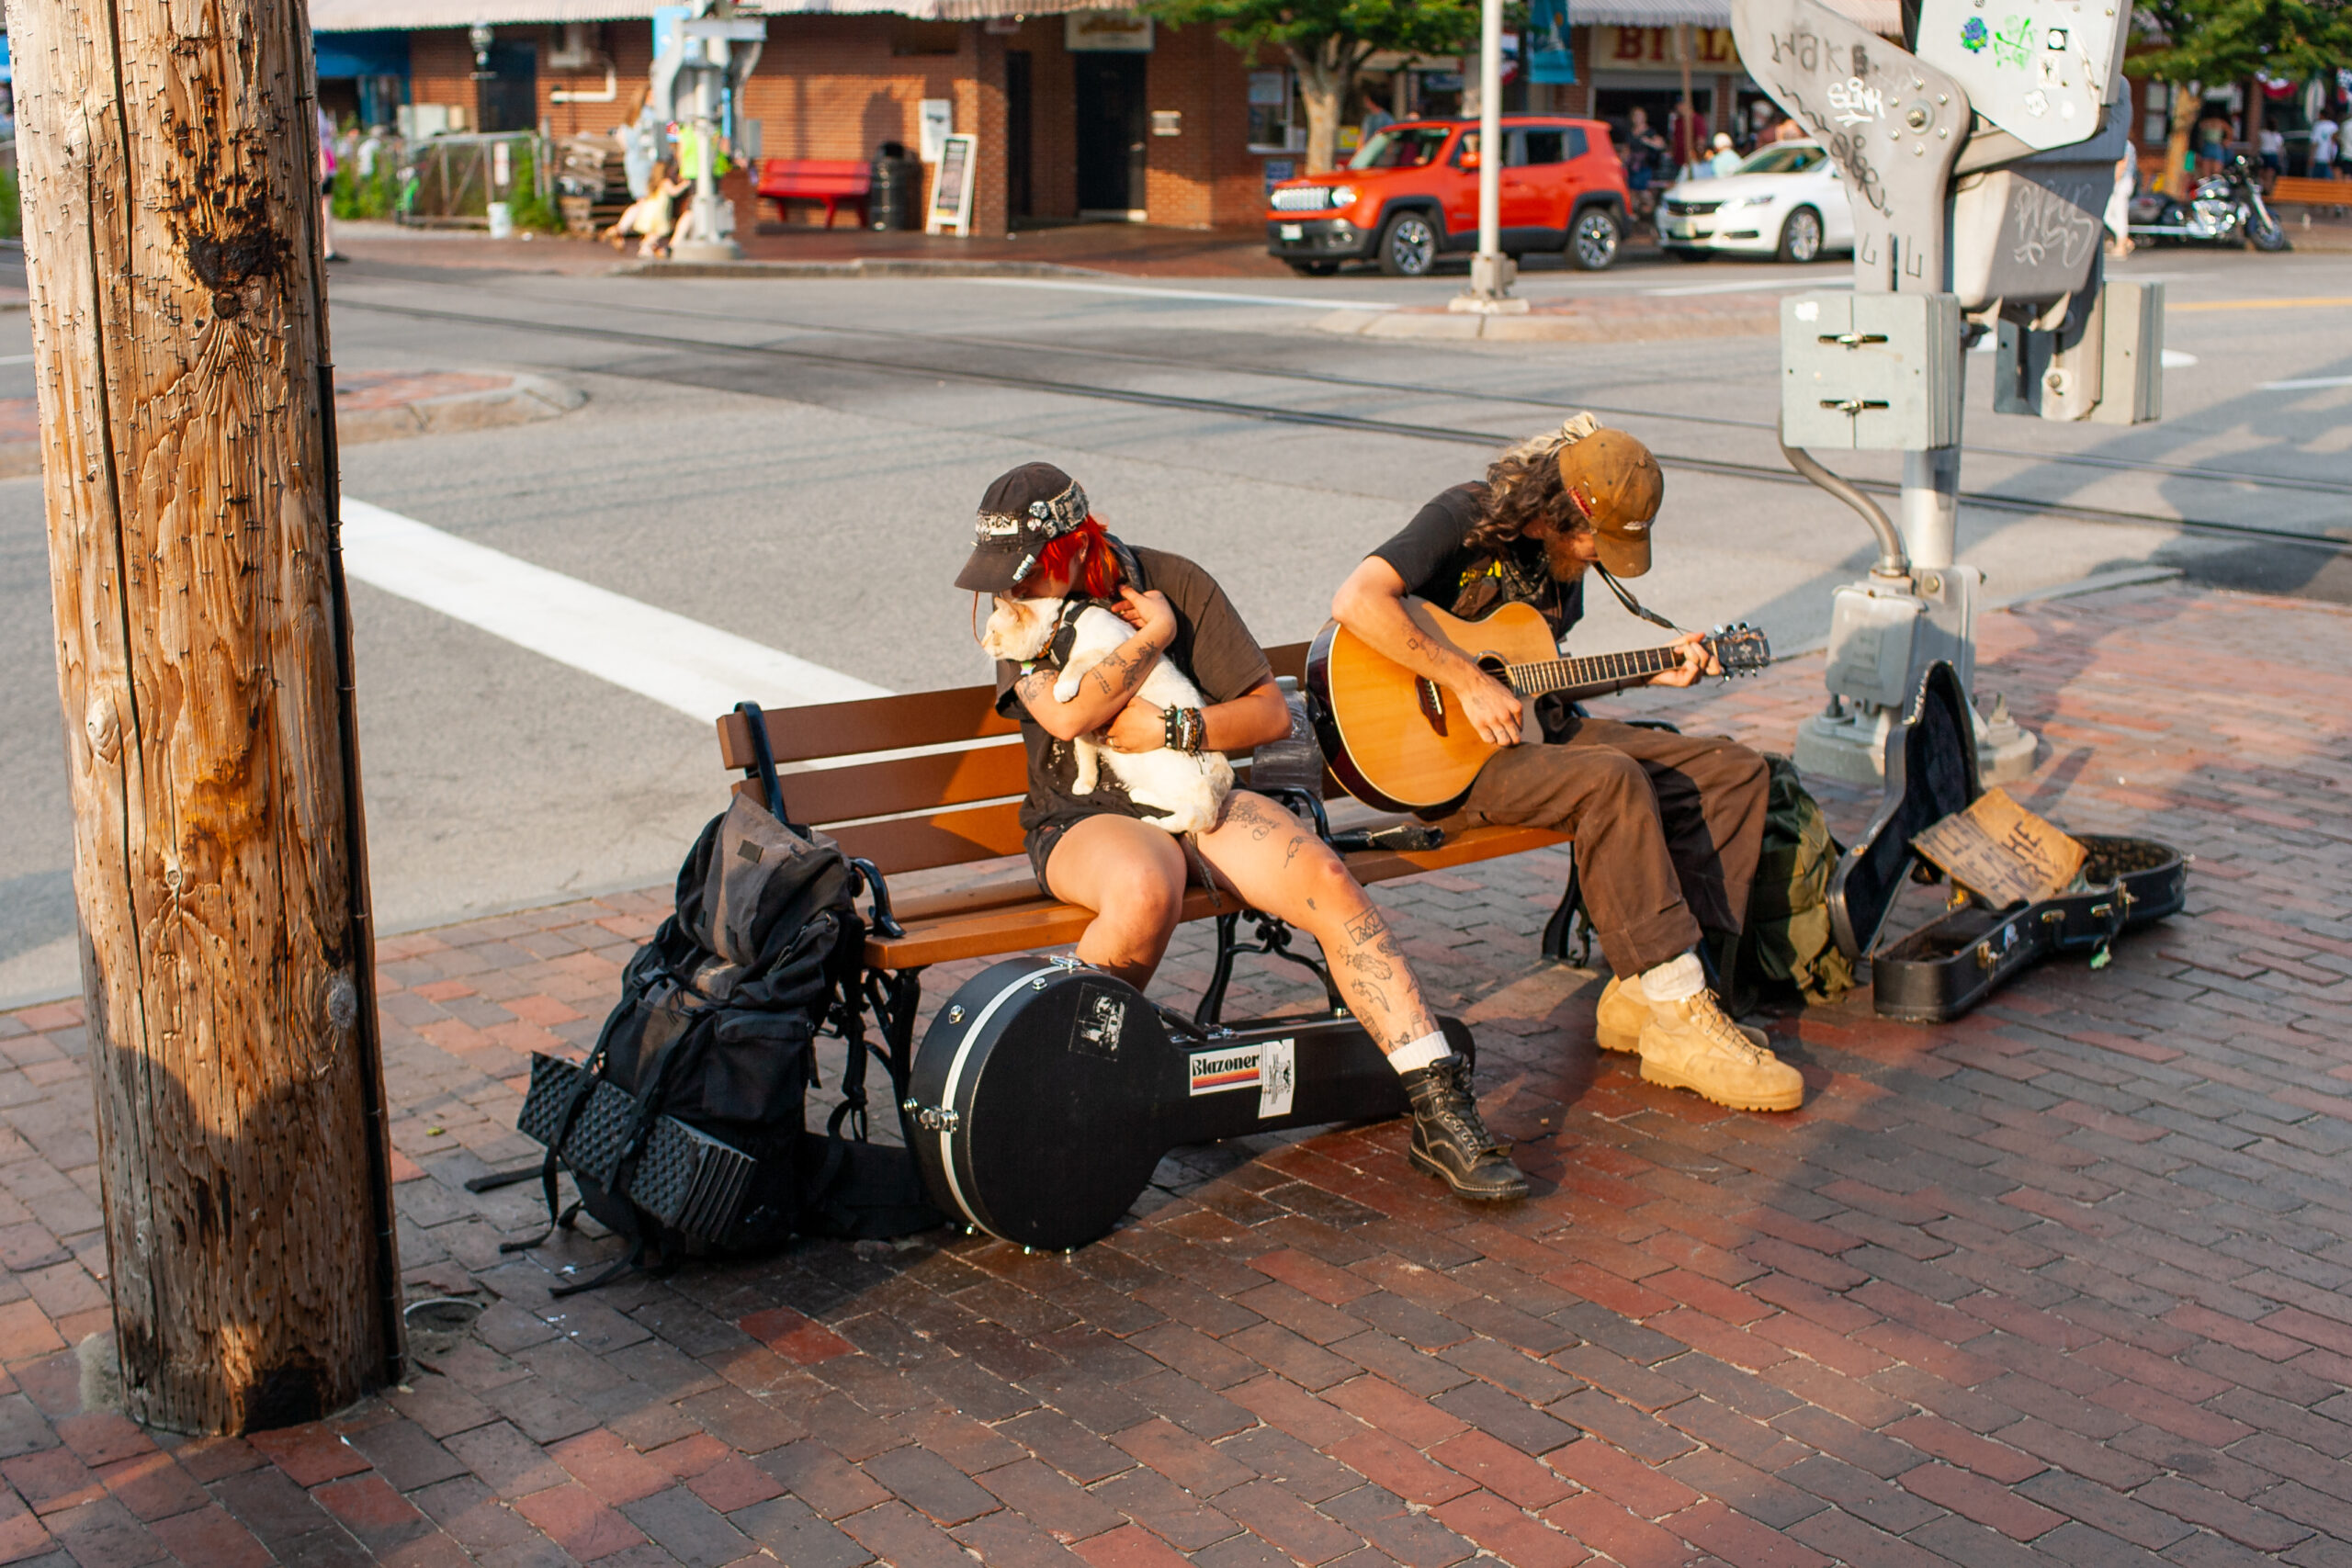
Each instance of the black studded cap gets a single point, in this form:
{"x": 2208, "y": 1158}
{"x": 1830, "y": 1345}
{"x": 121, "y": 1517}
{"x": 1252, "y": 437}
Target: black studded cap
{"x": 1025, "y": 510}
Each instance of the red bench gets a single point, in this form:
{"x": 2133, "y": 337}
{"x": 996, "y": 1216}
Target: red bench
{"x": 830, "y": 180}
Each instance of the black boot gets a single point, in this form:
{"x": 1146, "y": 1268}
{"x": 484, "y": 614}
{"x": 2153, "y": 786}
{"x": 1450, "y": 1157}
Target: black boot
{"x": 1450, "y": 1141}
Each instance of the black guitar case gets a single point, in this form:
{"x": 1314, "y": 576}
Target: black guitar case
{"x": 1044, "y": 1093}
{"x": 1939, "y": 971}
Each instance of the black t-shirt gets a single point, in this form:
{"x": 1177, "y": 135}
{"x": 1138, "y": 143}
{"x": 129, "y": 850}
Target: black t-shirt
{"x": 1212, "y": 646}
{"x": 1437, "y": 565}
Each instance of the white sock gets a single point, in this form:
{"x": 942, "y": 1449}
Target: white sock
{"x": 1677, "y": 980}
{"x": 1413, "y": 1056}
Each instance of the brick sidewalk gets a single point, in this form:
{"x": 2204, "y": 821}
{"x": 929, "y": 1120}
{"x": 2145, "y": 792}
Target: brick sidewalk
{"x": 2061, "y": 1283}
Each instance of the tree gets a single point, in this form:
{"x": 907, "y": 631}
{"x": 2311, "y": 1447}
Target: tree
{"x": 2228, "y": 40}
{"x": 1327, "y": 42}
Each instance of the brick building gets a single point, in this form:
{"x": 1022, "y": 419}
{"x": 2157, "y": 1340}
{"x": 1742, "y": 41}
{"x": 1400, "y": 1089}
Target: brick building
{"x": 1080, "y": 110}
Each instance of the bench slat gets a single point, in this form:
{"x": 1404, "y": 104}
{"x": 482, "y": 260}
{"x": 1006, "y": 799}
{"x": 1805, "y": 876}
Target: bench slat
{"x": 908, "y": 784}
{"x": 889, "y": 724}
{"x": 946, "y": 838}
{"x": 2301, "y": 190}
{"x": 868, "y": 724}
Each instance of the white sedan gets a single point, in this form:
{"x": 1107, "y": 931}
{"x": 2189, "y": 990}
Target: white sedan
{"x": 1786, "y": 200}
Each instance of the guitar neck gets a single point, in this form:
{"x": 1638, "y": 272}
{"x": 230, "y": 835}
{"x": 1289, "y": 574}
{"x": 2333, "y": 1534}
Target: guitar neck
{"x": 1601, "y": 672}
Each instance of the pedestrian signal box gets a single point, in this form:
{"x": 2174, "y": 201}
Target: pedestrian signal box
{"x": 1869, "y": 372}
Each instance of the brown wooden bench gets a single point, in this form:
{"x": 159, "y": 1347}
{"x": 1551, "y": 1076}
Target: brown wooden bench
{"x": 830, "y": 180}
{"x": 2301, "y": 190}
{"x": 954, "y": 805}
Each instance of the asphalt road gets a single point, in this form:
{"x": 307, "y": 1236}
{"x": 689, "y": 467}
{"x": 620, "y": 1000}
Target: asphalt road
{"x": 795, "y": 463}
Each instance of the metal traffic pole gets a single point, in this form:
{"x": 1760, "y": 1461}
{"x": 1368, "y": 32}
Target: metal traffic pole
{"x": 716, "y": 45}
{"x": 1491, "y": 272}
{"x": 1977, "y": 169}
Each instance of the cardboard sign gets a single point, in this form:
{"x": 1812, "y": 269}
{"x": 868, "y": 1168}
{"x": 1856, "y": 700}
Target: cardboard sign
{"x": 2003, "y": 852}
{"x": 951, "y": 188}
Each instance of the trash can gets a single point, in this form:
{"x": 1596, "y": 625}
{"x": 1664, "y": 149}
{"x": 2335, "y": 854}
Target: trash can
{"x": 897, "y": 199}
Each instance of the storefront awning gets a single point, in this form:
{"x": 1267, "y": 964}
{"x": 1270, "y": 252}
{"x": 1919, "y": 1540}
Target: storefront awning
{"x": 1884, "y": 17}
{"x": 410, "y": 16}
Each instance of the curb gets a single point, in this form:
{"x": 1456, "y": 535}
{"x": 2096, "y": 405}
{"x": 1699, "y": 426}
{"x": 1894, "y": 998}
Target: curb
{"x": 525, "y": 400}
{"x": 1580, "y": 323}
{"x": 864, "y": 266}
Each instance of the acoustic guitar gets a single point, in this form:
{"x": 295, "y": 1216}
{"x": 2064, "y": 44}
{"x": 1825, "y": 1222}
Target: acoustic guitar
{"x": 1399, "y": 741}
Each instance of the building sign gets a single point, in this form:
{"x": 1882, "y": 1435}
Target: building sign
{"x": 1122, "y": 31}
{"x": 935, "y": 121}
{"x": 1652, "y": 49}
{"x": 951, "y": 188}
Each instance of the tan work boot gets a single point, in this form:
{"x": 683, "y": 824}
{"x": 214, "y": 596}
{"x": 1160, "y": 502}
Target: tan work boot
{"x": 1617, "y": 1021}
{"x": 1690, "y": 1045}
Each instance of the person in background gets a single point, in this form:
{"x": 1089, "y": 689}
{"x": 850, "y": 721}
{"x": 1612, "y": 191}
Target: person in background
{"x": 1645, "y": 151}
{"x": 1376, "y": 118}
{"x": 2118, "y": 201}
{"x": 325, "y": 128}
{"x": 2272, "y": 150}
{"x": 1685, "y": 130}
{"x": 653, "y": 215}
{"x": 2212, "y": 137}
{"x": 1726, "y": 162}
{"x": 2344, "y": 144}
{"x": 640, "y": 140}
{"x": 1788, "y": 130}
{"x": 2323, "y": 154}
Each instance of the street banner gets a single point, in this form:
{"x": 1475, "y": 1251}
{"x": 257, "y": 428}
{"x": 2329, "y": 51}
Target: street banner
{"x": 1549, "y": 59}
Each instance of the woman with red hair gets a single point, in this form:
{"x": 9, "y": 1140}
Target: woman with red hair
{"x": 1036, "y": 539}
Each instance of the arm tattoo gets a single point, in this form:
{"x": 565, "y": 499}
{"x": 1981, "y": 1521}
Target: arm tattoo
{"x": 1034, "y": 689}
{"x": 1128, "y": 670}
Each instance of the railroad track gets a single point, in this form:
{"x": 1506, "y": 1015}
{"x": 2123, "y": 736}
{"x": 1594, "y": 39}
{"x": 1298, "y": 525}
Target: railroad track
{"x": 792, "y": 352}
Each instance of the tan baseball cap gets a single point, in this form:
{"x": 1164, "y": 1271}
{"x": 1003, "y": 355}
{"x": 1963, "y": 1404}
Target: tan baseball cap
{"x": 1617, "y": 486}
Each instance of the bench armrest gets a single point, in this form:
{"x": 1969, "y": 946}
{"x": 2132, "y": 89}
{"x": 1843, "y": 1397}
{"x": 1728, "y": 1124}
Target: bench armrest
{"x": 882, "y": 921}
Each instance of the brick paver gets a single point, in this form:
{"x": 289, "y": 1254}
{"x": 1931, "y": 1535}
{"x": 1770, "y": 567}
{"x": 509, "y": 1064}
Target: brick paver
{"x": 2063, "y": 1281}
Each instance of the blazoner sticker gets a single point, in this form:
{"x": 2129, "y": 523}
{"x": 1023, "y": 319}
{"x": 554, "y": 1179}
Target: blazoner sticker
{"x": 1269, "y": 1067}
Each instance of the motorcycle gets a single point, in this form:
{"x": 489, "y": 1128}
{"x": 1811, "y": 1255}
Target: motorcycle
{"x": 2227, "y": 208}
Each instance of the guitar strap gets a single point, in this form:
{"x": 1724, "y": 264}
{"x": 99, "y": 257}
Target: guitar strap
{"x": 1632, "y": 604}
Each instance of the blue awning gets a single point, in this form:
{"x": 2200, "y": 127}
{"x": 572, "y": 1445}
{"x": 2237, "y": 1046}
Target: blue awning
{"x": 382, "y": 52}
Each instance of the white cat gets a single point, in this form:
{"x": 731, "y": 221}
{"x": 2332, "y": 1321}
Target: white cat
{"x": 1189, "y": 788}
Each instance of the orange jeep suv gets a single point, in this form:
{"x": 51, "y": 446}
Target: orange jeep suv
{"x": 1411, "y": 193}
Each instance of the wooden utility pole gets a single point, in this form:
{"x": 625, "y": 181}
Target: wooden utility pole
{"x": 171, "y": 195}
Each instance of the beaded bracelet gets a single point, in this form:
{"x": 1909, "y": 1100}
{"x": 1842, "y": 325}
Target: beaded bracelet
{"x": 1184, "y": 729}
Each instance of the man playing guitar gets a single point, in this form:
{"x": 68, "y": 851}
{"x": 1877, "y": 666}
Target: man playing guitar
{"x": 1667, "y": 826}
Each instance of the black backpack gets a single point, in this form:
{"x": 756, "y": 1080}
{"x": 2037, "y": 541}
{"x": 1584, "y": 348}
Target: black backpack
{"x": 704, "y": 1150}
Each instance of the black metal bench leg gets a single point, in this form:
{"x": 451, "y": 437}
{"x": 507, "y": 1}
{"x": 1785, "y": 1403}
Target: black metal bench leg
{"x": 899, "y": 1000}
{"x": 1561, "y": 932}
{"x": 1211, "y": 1012}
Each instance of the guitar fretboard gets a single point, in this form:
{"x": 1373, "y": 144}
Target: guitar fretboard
{"x": 1565, "y": 674}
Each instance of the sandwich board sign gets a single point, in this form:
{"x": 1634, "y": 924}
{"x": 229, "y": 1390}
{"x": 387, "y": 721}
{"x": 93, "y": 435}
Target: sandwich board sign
{"x": 951, "y": 187}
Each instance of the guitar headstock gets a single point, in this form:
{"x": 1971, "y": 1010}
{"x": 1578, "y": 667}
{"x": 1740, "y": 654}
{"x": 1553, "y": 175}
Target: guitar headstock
{"x": 1740, "y": 649}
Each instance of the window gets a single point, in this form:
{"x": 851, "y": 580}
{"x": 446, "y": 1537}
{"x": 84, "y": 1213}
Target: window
{"x": 1275, "y": 123}
{"x": 1533, "y": 147}
{"x": 1787, "y": 158}
{"x": 1532, "y": 144}
{"x": 1401, "y": 147}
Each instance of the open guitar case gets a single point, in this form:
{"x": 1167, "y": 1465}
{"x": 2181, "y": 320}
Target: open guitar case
{"x": 1940, "y": 970}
